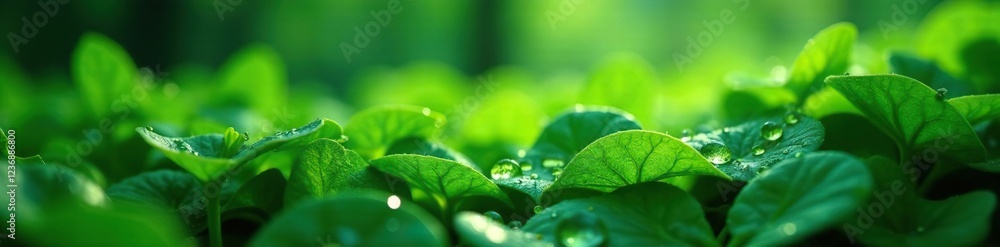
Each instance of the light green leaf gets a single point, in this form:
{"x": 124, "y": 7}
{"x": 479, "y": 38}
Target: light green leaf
{"x": 897, "y": 216}
{"x": 797, "y": 198}
{"x": 827, "y": 53}
{"x": 977, "y": 108}
{"x": 103, "y": 71}
{"x": 631, "y": 216}
{"x": 912, "y": 114}
{"x": 203, "y": 155}
{"x": 326, "y": 168}
{"x": 42, "y": 187}
{"x": 373, "y": 130}
{"x": 478, "y": 230}
{"x": 946, "y": 33}
{"x": 353, "y": 220}
{"x": 254, "y": 77}
{"x": 531, "y": 187}
{"x": 76, "y": 225}
{"x": 571, "y": 132}
{"x": 627, "y": 82}
{"x": 448, "y": 182}
{"x": 805, "y": 135}
{"x": 632, "y": 157}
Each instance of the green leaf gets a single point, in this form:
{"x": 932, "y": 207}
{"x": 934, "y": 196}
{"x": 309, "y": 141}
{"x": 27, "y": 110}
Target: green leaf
{"x": 843, "y": 131}
{"x": 632, "y": 157}
{"x": 478, "y": 230}
{"x": 977, "y": 108}
{"x": 912, "y": 114}
{"x": 353, "y": 220}
{"x": 897, "y": 216}
{"x": 167, "y": 190}
{"x": 806, "y": 135}
{"x": 827, "y": 53}
{"x": 532, "y": 187}
{"x": 571, "y": 132}
{"x": 264, "y": 192}
{"x": 797, "y": 198}
{"x": 927, "y": 72}
{"x": 254, "y": 77}
{"x": 203, "y": 155}
{"x": 76, "y": 225}
{"x": 946, "y": 35}
{"x": 374, "y": 129}
{"x": 448, "y": 182}
{"x": 41, "y": 187}
{"x": 103, "y": 71}
{"x": 421, "y": 146}
{"x": 326, "y": 168}
{"x": 632, "y": 217}
{"x": 625, "y": 81}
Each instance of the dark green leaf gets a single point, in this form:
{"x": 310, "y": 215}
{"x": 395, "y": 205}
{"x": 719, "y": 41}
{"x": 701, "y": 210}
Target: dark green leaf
{"x": 353, "y": 220}
{"x": 632, "y": 157}
{"x": 632, "y": 217}
{"x": 977, "y": 108}
{"x": 571, "y": 132}
{"x": 372, "y": 131}
{"x": 912, "y": 114}
{"x": 326, "y": 168}
{"x": 532, "y": 187}
{"x": 827, "y": 53}
{"x": 806, "y": 135}
{"x": 927, "y": 72}
{"x": 265, "y": 192}
{"x": 478, "y": 230}
{"x": 168, "y": 190}
{"x": 797, "y": 198}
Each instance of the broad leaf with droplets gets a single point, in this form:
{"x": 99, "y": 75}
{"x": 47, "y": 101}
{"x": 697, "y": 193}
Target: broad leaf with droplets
{"x": 447, "y": 182}
{"x": 374, "y": 130}
{"x": 479, "y": 230}
{"x": 632, "y": 157}
{"x": 326, "y": 168}
{"x": 797, "y": 198}
{"x": 977, "y": 108}
{"x": 909, "y": 220}
{"x": 204, "y": 157}
{"x": 629, "y": 216}
{"x": 365, "y": 219}
{"x": 914, "y": 115}
{"x": 749, "y": 149}
{"x": 570, "y": 132}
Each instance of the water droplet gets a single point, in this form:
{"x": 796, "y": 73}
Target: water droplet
{"x": 553, "y": 215}
{"x": 538, "y": 209}
{"x": 771, "y": 131}
{"x": 493, "y": 215}
{"x": 758, "y": 150}
{"x": 581, "y": 230}
{"x": 426, "y": 111}
{"x": 725, "y": 130}
{"x": 344, "y": 138}
{"x": 521, "y": 153}
{"x": 525, "y": 167}
{"x": 293, "y": 131}
{"x": 920, "y": 229}
{"x": 534, "y": 176}
{"x": 789, "y": 229}
{"x": 505, "y": 168}
{"x": 557, "y": 171}
{"x": 552, "y": 163}
{"x": 791, "y": 118}
{"x": 515, "y": 225}
{"x": 149, "y": 128}
{"x": 716, "y": 152}
{"x": 685, "y": 133}
{"x": 798, "y": 154}
{"x": 941, "y": 92}
{"x": 246, "y": 136}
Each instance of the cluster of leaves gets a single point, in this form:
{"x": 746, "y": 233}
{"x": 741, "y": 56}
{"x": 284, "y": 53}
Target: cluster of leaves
{"x": 834, "y": 158}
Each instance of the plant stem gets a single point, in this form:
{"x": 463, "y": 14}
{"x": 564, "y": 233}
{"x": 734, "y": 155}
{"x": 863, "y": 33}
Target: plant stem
{"x": 214, "y": 222}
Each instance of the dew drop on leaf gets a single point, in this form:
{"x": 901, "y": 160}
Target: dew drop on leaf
{"x": 791, "y": 118}
{"x": 246, "y": 136}
{"x": 557, "y": 171}
{"x": 426, "y": 111}
{"x": 493, "y": 215}
{"x": 149, "y": 128}
{"x": 505, "y": 168}
{"x": 716, "y": 152}
{"x": 534, "y": 176}
{"x": 538, "y": 209}
{"x": 525, "y": 167}
{"x": 515, "y": 225}
{"x": 771, "y": 131}
{"x": 758, "y": 150}
{"x": 581, "y": 230}
{"x": 552, "y": 163}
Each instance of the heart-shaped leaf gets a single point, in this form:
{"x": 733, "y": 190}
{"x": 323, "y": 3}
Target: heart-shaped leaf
{"x": 371, "y": 219}
{"x": 629, "y": 216}
{"x": 977, "y": 108}
{"x": 632, "y": 157}
{"x": 168, "y": 190}
{"x": 798, "y": 197}
{"x": 914, "y": 115}
{"x": 448, "y": 182}
{"x": 571, "y": 132}
{"x": 748, "y": 151}
{"x": 827, "y": 53}
{"x": 326, "y": 168}
{"x": 372, "y": 131}
{"x": 203, "y": 155}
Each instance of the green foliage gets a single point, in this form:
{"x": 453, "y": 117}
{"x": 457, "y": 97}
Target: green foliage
{"x": 827, "y": 53}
